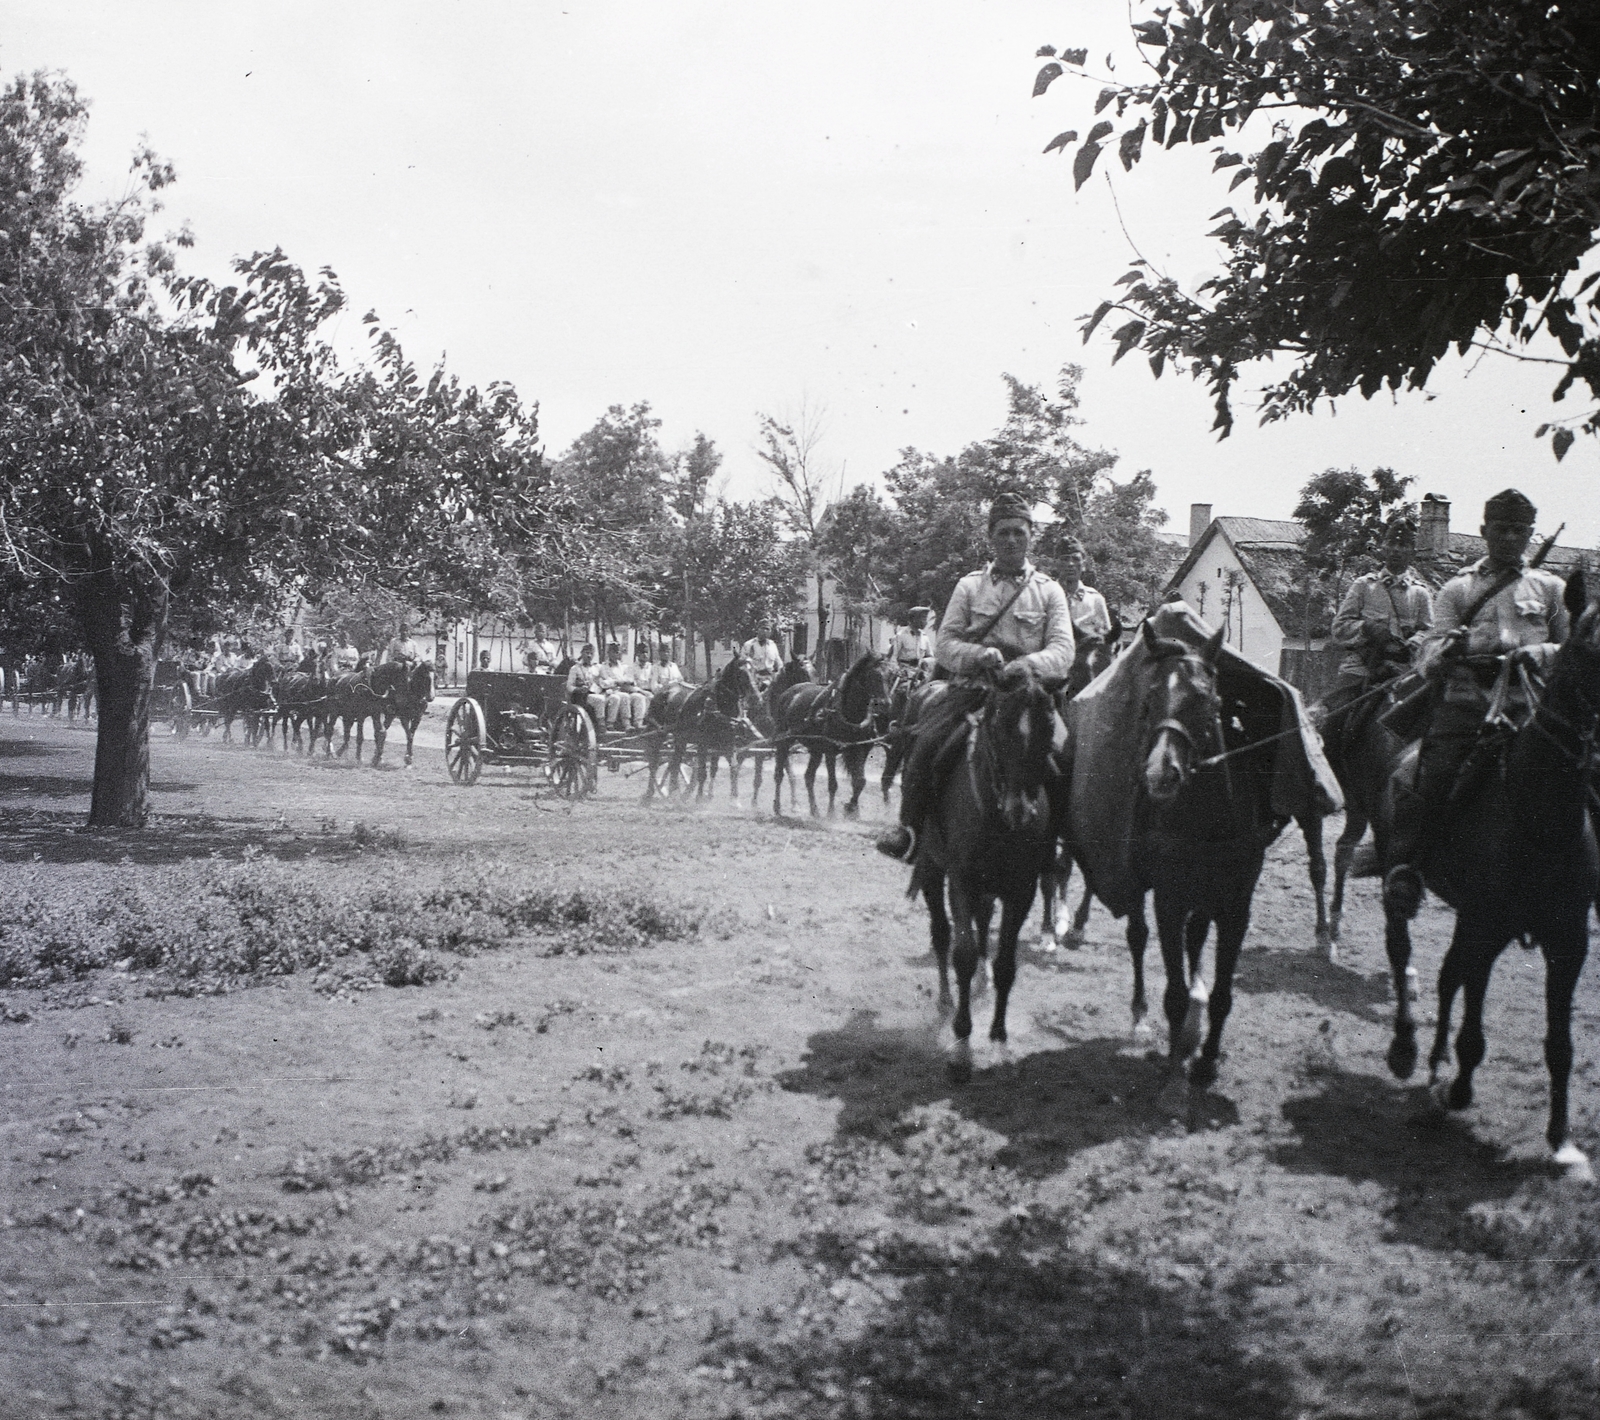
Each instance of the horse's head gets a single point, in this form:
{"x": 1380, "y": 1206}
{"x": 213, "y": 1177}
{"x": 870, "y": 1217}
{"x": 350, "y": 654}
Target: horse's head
{"x": 867, "y": 690}
{"x": 1181, "y": 707}
{"x": 736, "y": 692}
{"x": 421, "y": 686}
{"x": 264, "y": 681}
{"x": 1018, "y": 721}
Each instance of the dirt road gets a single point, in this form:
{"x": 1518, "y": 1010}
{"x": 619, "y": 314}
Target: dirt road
{"x": 664, "y": 1130}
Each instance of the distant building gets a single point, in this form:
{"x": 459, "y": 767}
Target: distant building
{"x": 1250, "y": 577}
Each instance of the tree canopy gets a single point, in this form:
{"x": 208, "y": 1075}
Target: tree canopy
{"x": 166, "y": 437}
{"x": 1428, "y": 185}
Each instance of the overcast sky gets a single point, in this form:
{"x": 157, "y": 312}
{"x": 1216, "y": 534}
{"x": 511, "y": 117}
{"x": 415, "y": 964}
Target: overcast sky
{"x": 722, "y": 208}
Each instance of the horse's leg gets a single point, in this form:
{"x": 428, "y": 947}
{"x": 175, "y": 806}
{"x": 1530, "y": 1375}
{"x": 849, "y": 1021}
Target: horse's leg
{"x": 982, "y": 914}
{"x": 811, "y": 779}
{"x": 1451, "y": 979}
{"x": 1232, "y": 923}
{"x": 1563, "y": 961}
{"x": 1080, "y": 919}
{"x": 1402, "y": 1053}
{"x": 938, "y": 931}
{"x": 1138, "y": 939}
{"x": 832, "y": 756}
{"x": 780, "y": 767}
{"x": 966, "y": 954}
{"x": 380, "y": 734}
{"x": 1317, "y": 871}
{"x": 1013, "y": 913}
{"x": 891, "y": 765}
{"x": 1479, "y": 954}
{"x": 410, "y": 727}
{"x": 1196, "y": 927}
{"x": 1183, "y": 1027}
{"x": 855, "y": 762}
{"x": 1355, "y": 827}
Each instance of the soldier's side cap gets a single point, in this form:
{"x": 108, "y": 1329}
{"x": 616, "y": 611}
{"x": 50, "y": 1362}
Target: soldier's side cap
{"x": 1009, "y": 505}
{"x": 1400, "y": 533}
{"x": 1509, "y": 507}
{"x": 925, "y": 610}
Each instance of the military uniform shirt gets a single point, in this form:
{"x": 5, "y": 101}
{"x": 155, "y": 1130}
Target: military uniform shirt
{"x": 1091, "y": 618}
{"x": 910, "y": 647}
{"x": 1528, "y": 612}
{"x": 1037, "y": 624}
{"x": 1380, "y": 599}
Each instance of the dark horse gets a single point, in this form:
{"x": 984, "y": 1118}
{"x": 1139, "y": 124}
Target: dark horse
{"x": 715, "y": 722}
{"x": 1200, "y": 836}
{"x": 661, "y": 722}
{"x": 408, "y": 694}
{"x": 990, "y": 835}
{"x": 248, "y": 692}
{"x": 828, "y": 720}
{"x": 1518, "y": 860}
{"x": 797, "y": 670}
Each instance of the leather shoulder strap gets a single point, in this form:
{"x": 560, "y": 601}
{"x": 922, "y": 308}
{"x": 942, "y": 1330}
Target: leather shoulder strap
{"x": 978, "y": 633}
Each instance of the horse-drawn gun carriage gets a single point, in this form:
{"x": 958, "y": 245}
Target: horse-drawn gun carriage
{"x": 173, "y": 699}
{"x": 515, "y": 718}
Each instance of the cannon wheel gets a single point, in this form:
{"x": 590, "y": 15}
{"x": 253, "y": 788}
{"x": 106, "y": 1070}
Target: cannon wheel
{"x": 573, "y": 768}
{"x": 464, "y": 741}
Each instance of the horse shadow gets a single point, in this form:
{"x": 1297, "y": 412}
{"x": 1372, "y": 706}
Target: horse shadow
{"x": 1362, "y": 1128}
{"x": 1025, "y": 1328}
{"x": 1305, "y": 973}
{"x": 1049, "y": 1105}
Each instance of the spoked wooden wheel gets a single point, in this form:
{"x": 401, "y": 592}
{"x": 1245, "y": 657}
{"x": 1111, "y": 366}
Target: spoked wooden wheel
{"x": 463, "y": 741}
{"x": 573, "y": 768}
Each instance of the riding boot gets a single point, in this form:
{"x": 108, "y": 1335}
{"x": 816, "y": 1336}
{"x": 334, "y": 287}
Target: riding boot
{"x": 1420, "y": 808}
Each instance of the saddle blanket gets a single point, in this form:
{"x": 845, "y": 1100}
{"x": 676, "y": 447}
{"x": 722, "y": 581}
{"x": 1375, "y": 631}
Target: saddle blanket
{"x": 1108, "y": 752}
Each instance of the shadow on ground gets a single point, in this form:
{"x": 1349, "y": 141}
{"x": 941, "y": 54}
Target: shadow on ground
{"x": 1049, "y": 1105}
{"x": 1027, "y": 1330}
{"x": 1362, "y": 1128}
{"x": 1308, "y": 973}
{"x": 46, "y": 836}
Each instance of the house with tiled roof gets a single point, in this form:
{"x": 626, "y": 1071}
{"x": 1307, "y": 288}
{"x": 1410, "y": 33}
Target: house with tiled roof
{"x": 1250, "y": 577}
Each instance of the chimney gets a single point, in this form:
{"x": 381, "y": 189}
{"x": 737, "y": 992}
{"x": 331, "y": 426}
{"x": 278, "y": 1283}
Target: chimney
{"x": 1199, "y": 521}
{"x": 1433, "y": 526}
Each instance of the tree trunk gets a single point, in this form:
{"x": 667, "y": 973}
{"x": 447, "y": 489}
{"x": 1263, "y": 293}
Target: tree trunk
{"x": 124, "y": 637}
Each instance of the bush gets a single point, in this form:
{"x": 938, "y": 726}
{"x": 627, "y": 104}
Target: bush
{"x": 211, "y": 925}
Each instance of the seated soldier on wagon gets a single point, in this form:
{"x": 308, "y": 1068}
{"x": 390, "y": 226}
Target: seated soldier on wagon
{"x": 583, "y": 682}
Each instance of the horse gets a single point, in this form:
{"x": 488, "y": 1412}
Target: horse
{"x": 661, "y": 722}
{"x": 1518, "y": 861}
{"x": 828, "y": 720}
{"x": 990, "y": 835}
{"x": 715, "y": 722}
{"x": 1200, "y": 839}
{"x": 1093, "y": 655}
{"x": 353, "y": 699}
{"x": 797, "y": 670}
{"x": 302, "y": 696}
{"x": 75, "y": 686}
{"x": 250, "y": 692}
{"x": 408, "y": 693}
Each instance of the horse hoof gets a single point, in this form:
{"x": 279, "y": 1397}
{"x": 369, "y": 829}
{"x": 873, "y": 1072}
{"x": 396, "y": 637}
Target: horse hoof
{"x": 1573, "y": 1163}
{"x": 1203, "y": 1072}
{"x": 1402, "y": 1056}
{"x": 1075, "y": 940}
{"x": 1459, "y": 1094}
{"x": 959, "y": 1066}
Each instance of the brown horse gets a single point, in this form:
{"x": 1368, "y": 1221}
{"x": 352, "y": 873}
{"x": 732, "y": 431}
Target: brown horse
{"x": 661, "y": 721}
{"x": 247, "y": 692}
{"x": 408, "y": 693}
{"x": 830, "y": 720}
{"x": 715, "y": 722}
{"x": 1518, "y": 860}
{"x": 1200, "y": 839}
{"x": 989, "y": 837}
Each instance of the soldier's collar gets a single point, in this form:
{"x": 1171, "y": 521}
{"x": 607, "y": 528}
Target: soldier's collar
{"x": 995, "y": 575}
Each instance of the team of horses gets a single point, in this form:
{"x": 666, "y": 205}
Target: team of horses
{"x": 54, "y": 686}
{"x": 1517, "y": 863}
{"x": 309, "y": 704}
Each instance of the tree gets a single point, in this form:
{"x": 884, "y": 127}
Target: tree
{"x": 140, "y": 466}
{"x": 742, "y": 570}
{"x": 789, "y": 447}
{"x": 1346, "y": 516}
{"x": 941, "y": 504}
{"x": 854, "y": 538}
{"x": 1429, "y": 187}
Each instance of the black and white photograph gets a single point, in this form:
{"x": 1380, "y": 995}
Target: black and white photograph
{"x": 718, "y": 710}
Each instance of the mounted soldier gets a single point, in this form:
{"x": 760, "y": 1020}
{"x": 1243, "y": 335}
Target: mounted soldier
{"x": 764, "y": 655}
{"x": 1382, "y": 623}
{"x": 1007, "y": 621}
{"x": 1497, "y": 616}
{"x": 403, "y": 646}
{"x": 912, "y": 647}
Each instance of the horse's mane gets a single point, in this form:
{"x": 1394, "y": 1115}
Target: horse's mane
{"x": 851, "y": 704}
{"x": 726, "y": 689}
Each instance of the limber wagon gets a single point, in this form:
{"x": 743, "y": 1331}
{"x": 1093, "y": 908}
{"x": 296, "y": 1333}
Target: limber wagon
{"x": 512, "y": 718}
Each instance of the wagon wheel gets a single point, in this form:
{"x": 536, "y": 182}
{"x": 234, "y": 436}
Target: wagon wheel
{"x": 573, "y": 768}
{"x": 463, "y": 741}
{"x": 182, "y": 710}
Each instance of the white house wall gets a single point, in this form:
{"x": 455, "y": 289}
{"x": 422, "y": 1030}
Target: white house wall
{"x": 1252, "y": 629}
